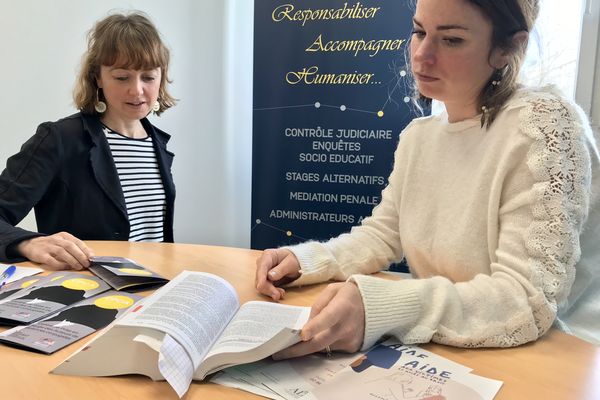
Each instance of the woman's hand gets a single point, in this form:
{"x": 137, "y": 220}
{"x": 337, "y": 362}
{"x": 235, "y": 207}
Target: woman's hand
{"x": 59, "y": 251}
{"x": 337, "y": 321}
{"x": 275, "y": 267}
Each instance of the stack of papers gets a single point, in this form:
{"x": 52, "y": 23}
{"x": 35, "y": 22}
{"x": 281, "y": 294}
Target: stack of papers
{"x": 388, "y": 371}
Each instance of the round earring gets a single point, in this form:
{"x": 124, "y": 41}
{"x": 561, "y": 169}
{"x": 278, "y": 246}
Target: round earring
{"x": 156, "y": 106}
{"x": 100, "y": 106}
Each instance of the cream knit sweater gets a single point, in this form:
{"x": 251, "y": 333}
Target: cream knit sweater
{"x": 493, "y": 224}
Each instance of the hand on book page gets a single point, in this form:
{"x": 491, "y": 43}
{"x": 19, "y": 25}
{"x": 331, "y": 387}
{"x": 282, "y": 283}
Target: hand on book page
{"x": 337, "y": 322}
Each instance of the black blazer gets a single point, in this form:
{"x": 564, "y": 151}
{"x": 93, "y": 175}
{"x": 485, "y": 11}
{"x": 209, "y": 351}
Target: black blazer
{"x": 67, "y": 174}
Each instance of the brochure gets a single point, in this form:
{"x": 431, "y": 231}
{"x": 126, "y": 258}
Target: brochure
{"x": 122, "y": 273}
{"x": 47, "y": 296}
{"x": 296, "y": 378}
{"x": 7, "y": 291}
{"x": 71, "y": 324}
{"x": 385, "y": 373}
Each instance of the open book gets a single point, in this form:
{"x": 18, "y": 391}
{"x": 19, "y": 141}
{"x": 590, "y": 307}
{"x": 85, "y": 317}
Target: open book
{"x": 191, "y": 327}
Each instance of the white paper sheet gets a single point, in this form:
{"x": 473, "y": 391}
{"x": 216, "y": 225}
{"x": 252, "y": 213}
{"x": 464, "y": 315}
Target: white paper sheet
{"x": 175, "y": 365}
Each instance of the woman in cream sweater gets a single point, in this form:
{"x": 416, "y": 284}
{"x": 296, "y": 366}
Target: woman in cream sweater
{"x": 494, "y": 204}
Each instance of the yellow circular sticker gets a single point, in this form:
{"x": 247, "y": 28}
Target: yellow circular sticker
{"x": 113, "y": 302}
{"x": 134, "y": 271}
{"x": 28, "y": 283}
{"x": 80, "y": 284}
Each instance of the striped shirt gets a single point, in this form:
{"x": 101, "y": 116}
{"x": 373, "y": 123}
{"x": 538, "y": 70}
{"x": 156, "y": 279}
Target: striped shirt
{"x": 137, "y": 167}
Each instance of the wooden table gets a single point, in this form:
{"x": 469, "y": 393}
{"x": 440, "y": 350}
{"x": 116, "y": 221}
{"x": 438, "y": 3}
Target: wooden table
{"x": 558, "y": 366}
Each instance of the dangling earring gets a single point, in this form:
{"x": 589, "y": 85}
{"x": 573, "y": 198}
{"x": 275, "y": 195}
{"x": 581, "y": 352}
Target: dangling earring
{"x": 100, "y": 106}
{"x": 156, "y": 106}
{"x": 497, "y": 77}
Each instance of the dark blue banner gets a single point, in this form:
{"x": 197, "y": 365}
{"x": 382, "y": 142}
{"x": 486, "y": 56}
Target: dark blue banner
{"x": 331, "y": 95}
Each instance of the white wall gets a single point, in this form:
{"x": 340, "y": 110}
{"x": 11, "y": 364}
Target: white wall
{"x": 41, "y": 47}
{"x": 238, "y": 115}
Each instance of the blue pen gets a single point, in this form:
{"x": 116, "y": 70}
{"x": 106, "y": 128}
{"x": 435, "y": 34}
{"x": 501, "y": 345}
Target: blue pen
{"x": 8, "y": 272}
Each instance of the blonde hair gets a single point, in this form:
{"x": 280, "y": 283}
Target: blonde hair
{"x": 130, "y": 40}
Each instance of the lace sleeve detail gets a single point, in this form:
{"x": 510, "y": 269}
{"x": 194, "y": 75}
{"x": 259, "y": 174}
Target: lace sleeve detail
{"x": 560, "y": 166}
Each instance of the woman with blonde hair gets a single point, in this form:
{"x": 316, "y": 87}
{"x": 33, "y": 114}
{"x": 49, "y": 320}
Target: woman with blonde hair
{"x": 103, "y": 173}
{"x": 494, "y": 204}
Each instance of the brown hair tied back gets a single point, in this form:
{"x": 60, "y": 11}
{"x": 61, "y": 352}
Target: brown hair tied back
{"x": 507, "y": 17}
